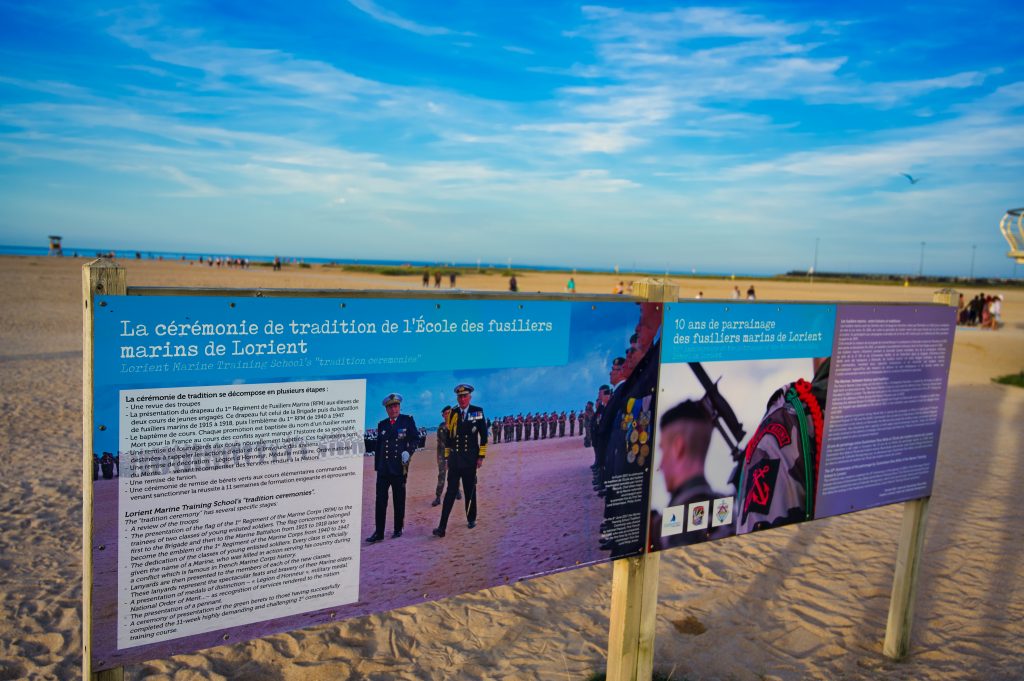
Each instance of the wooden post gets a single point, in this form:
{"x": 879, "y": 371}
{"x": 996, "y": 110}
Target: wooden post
{"x": 100, "y": 277}
{"x": 633, "y": 618}
{"x": 634, "y": 607}
{"x": 908, "y": 556}
{"x": 904, "y": 583}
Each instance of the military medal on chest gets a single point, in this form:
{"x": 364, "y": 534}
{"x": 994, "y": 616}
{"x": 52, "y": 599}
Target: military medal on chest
{"x": 636, "y": 422}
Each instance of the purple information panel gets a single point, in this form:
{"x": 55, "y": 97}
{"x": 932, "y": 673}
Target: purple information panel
{"x": 773, "y": 414}
{"x": 888, "y": 387}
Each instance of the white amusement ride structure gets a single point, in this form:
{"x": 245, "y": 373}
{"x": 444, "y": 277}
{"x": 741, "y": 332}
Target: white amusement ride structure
{"x": 1012, "y": 227}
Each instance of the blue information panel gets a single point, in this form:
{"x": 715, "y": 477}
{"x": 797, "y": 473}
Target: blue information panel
{"x": 202, "y": 338}
{"x": 706, "y": 332}
{"x": 263, "y": 464}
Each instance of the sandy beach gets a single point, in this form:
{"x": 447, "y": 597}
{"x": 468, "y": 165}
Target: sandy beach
{"x": 804, "y": 602}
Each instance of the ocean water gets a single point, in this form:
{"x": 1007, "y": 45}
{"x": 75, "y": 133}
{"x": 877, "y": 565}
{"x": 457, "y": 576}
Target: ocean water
{"x": 132, "y": 254}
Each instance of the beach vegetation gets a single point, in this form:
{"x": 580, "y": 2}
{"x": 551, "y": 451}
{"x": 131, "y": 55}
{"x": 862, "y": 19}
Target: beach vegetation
{"x": 397, "y": 270}
{"x": 1011, "y": 379}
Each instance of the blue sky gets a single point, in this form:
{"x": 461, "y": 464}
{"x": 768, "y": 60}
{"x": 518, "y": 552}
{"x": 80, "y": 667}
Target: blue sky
{"x": 715, "y": 137}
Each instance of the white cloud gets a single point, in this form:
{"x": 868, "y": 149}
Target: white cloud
{"x": 194, "y": 185}
{"x": 608, "y": 138}
{"x": 388, "y": 17}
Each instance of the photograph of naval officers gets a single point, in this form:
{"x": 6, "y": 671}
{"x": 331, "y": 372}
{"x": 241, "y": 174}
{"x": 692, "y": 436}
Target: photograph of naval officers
{"x": 493, "y": 511}
{"x": 623, "y": 439}
{"x": 397, "y": 439}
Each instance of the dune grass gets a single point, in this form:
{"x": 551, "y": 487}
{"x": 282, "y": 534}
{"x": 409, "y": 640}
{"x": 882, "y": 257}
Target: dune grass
{"x": 1011, "y": 379}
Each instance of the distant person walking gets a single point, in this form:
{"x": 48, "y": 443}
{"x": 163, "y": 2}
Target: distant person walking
{"x": 451, "y": 280}
{"x": 437, "y": 280}
{"x": 570, "y": 286}
{"x": 513, "y": 285}
{"x": 426, "y": 278}
{"x": 974, "y": 310}
{"x": 735, "y": 292}
{"x": 751, "y": 295}
{"x": 995, "y": 311}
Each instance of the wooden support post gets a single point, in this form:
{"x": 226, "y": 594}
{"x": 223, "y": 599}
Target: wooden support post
{"x": 908, "y": 556}
{"x": 633, "y": 618}
{"x": 904, "y": 583}
{"x": 634, "y": 608}
{"x": 100, "y": 277}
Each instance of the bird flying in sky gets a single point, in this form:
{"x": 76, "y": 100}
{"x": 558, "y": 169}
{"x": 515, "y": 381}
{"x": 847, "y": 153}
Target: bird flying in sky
{"x": 913, "y": 180}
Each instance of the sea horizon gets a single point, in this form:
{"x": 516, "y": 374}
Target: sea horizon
{"x": 141, "y": 254}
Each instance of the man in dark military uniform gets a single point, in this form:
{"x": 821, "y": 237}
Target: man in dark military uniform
{"x": 615, "y": 375}
{"x": 509, "y": 426}
{"x": 442, "y": 462}
{"x": 107, "y": 465}
{"x": 496, "y": 430}
{"x": 536, "y": 426}
{"x": 561, "y": 423}
{"x": 552, "y": 424}
{"x": 572, "y": 423}
{"x": 604, "y": 395}
{"x": 542, "y": 424}
{"x": 467, "y": 447}
{"x": 587, "y": 424}
{"x": 528, "y": 425}
{"x": 519, "y": 427}
{"x": 397, "y": 438}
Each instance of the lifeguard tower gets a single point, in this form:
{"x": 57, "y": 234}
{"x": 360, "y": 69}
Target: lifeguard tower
{"x": 55, "y": 247}
{"x": 1014, "y": 218}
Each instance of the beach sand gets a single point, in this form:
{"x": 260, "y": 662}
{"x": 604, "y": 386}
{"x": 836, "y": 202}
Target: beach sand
{"x": 807, "y": 601}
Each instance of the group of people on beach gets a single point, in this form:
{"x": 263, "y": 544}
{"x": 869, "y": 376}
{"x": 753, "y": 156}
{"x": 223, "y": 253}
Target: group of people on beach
{"x": 231, "y": 263}
{"x": 452, "y": 276}
{"x": 985, "y": 311}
